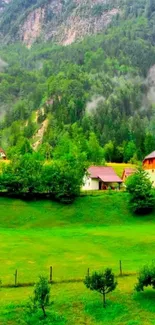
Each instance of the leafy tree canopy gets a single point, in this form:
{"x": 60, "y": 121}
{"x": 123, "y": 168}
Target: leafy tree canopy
{"x": 142, "y": 197}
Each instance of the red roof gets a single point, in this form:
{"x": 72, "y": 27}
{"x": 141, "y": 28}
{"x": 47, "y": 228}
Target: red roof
{"x": 106, "y": 174}
{"x": 151, "y": 155}
{"x": 1, "y": 150}
{"x": 129, "y": 171}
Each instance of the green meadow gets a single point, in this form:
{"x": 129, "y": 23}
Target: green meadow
{"x": 94, "y": 232}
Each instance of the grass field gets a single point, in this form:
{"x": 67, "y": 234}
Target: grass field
{"x": 94, "y": 232}
{"x": 119, "y": 167}
{"x": 73, "y": 304}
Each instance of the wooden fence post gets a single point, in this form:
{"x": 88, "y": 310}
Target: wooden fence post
{"x": 51, "y": 274}
{"x": 16, "y": 277}
{"x": 120, "y": 268}
{"x": 88, "y": 272}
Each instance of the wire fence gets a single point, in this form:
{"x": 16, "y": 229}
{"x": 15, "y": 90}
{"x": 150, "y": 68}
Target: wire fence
{"x": 123, "y": 268}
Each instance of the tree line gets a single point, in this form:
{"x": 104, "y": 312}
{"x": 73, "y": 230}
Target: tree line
{"x": 60, "y": 180}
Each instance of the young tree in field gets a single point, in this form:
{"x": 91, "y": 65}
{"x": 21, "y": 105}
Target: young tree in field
{"x": 142, "y": 198}
{"x": 146, "y": 278}
{"x": 102, "y": 283}
{"x": 41, "y": 296}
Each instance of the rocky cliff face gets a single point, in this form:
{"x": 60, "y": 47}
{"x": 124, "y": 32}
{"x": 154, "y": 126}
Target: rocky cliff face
{"x": 76, "y": 28}
{"x": 63, "y": 21}
{"x": 32, "y": 26}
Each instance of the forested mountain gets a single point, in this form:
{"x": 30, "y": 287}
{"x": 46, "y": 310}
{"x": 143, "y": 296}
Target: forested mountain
{"x": 95, "y": 97}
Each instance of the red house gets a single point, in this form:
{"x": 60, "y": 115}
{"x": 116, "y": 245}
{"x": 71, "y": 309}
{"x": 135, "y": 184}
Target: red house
{"x": 149, "y": 161}
{"x": 127, "y": 172}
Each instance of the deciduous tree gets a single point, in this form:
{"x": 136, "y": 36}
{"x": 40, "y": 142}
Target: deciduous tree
{"x": 41, "y": 295}
{"x": 102, "y": 282}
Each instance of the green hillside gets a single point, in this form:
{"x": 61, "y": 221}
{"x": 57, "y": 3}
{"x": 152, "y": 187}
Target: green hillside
{"x": 98, "y": 210}
{"x": 63, "y": 108}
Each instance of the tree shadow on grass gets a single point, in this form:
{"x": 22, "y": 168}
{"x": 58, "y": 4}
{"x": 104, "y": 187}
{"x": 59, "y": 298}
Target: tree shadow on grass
{"x": 112, "y": 311}
{"x": 21, "y": 315}
{"x": 133, "y": 322}
{"x": 146, "y": 299}
{"x": 38, "y": 319}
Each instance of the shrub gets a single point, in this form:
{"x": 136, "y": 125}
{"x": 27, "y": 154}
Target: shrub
{"x": 101, "y": 282}
{"x": 146, "y": 278}
{"x": 41, "y": 295}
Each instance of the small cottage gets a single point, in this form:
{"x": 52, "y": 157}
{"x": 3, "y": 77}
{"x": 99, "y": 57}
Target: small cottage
{"x": 101, "y": 178}
{"x": 2, "y": 154}
{"x": 127, "y": 172}
{"x": 149, "y": 166}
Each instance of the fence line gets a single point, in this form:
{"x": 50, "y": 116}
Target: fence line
{"x": 18, "y": 284}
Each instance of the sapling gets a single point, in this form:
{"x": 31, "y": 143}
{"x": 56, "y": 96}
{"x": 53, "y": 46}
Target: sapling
{"x": 103, "y": 282}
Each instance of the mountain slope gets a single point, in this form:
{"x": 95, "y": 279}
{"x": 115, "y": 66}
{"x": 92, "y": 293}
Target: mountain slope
{"x": 96, "y": 96}
{"x": 58, "y": 20}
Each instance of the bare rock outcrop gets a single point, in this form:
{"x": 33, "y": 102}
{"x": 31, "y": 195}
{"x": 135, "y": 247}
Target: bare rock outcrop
{"x": 60, "y": 21}
{"x": 32, "y": 26}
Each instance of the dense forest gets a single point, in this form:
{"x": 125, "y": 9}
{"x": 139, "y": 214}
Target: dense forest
{"x": 97, "y": 95}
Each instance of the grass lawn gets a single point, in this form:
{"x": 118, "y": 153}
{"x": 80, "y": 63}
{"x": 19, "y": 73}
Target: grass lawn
{"x": 94, "y": 232}
{"x": 119, "y": 167}
{"x": 3, "y": 163}
{"x": 74, "y": 304}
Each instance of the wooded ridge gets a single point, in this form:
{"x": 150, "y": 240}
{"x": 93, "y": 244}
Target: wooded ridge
{"x": 96, "y": 95}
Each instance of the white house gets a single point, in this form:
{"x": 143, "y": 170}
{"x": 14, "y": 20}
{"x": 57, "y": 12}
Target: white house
{"x": 100, "y": 178}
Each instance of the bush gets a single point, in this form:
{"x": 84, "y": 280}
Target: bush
{"x": 146, "y": 278}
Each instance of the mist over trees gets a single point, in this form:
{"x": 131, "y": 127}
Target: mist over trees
{"x": 95, "y": 91}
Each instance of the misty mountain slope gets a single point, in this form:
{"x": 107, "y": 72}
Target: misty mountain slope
{"x": 97, "y": 93}
{"x": 58, "y": 20}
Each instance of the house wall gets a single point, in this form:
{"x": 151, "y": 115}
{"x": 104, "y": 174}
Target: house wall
{"x": 124, "y": 177}
{"x": 90, "y": 184}
{"x": 149, "y": 164}
{"x": 151, "y": 174}
{"x": 2, "y": 155}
